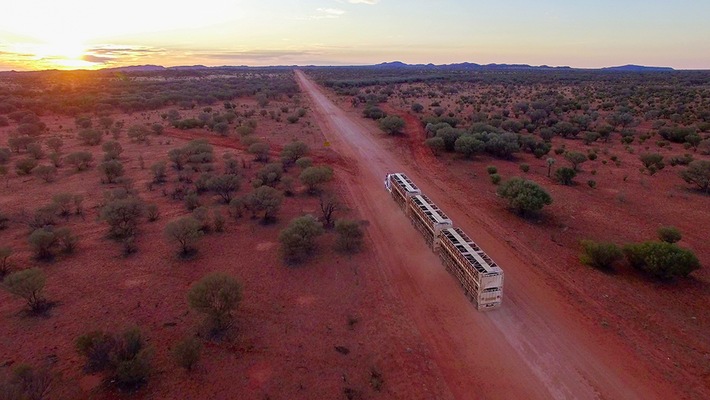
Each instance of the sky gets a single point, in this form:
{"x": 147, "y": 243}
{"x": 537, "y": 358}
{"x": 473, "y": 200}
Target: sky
{"x": 91, "y": 34}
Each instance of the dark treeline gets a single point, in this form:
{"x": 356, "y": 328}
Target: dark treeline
{"x": 80, "y": 92}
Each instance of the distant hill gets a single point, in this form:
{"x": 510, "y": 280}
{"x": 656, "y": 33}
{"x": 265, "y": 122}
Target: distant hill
{"x": 637, "y": 68}
{"x": 402, "y": 65}
{"x": 136, "y": 68}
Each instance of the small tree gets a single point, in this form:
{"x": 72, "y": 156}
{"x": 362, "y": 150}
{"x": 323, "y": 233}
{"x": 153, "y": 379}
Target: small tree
{"x": 524, "y": 196}
{"x": 185, "y": 231}
{"x": 43, "y": 241}
{"x": 436, "y": 144}
{"x": 111, "y": 170}
{"x": 112, "y": 150}
{"x": 96, "y": 346}
{"x": 90, "y": 137}
{"x": 565, "y": 175}
{"x": 47, "y": 173}
{"x": 575, "y": 158}
{"x": 28, "y": 284}
{"x": 468, "y": 145}
{"x": 350, "y": 236}
{"x": 660, "y": 259}
{"x": 159, "y": 172}
{"x": 600, "y": 255}
{"x": 130, "y": 360}
{"x": 329, "y": 204}
{"x": 293, "y": 151}
{"x": 550, "y": 163}
{"x": 653, "y": 162}
{"x": 80, "y": 160}
{"x": 298, "y": 238}
{"x": 266, "y": 200}
{"x": 698, "y": 173}
{"x": 391, "y": 124}
{"x": 216, "y": 295}
{"x": 25, "y": 166}
{"x": 122, "y": 216}
{"x": 260, "y": 150}
{"x": 187, "y": 352}
{"x": 224, "y": 186}
{"x": 669, "y": 234}
{"x": 314, "y": 177}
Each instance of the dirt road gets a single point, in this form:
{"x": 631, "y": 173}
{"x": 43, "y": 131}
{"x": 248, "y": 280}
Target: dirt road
{"x": 534, "y": 346}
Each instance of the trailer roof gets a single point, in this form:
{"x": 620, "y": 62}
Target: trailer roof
{"x": 470, "y": 250}
{"x": 406, "y": 183}
{"x": 430, "y": 209}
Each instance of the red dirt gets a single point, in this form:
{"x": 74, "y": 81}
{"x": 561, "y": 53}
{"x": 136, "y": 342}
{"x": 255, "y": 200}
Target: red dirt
{"x": 539, "y": 344}
{"x": 288, "y": 324}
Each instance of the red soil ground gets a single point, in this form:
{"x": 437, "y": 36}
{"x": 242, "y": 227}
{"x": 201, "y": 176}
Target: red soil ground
{"x": 581, "y": 332}
{"x": 288, "y": 325}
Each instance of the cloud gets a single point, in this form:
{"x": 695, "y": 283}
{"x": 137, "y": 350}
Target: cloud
{"x": 370, "y": 2}
{"x": 331, "y": 11}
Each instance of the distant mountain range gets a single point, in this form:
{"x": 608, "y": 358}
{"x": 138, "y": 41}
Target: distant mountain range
{"x": 399, "y": 64}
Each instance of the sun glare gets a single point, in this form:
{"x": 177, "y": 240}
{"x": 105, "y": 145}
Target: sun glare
{"x": 60, "y": 55}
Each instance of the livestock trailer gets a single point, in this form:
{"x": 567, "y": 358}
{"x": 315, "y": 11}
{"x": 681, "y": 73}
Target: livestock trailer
{"x": 478, "y": 274}
{"x": 428, "y": 219}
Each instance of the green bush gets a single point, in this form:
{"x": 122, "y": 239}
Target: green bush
{"x": 350, "y": 236}
{"x": 28, "y": 284}
{"x": 96, "y": 346}
{"x": 25, "y": 166}
{"x": 491, "y": 169}
{"x": 185, "y": 232}
{"x": 524, "y": 196}
{"x": 660, "y": 259}
{"x": 298, "y": 238}
{"x": 391, "y": 124}
{"x": 565, "y": 175}
{"x": 314, "y": 177}
{"x": 130, "y": 360}
{"x": 525, "y": 167}
{"x": 495, "y": 179}
{"x": 669, "y": 234}
{"x": 600, "y": 255}
{"x": 216, "y": 295}
{"x": 187, "y": 352}
{"x": 698, "y": 172}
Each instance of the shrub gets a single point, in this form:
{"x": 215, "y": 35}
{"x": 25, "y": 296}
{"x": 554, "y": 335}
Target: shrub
{"x": 66, "y": 240}
{"x": 159, "y": 171}
{"x": 260, "y": 150}
{"x": 122, "y": 216}
{"x": 468, "y": 145}
{"x": 90, "y": 137}
{"x": 185, "y": 231}
{"x": 525, "y": 167}
{"x": 600, "y": 255}
{"x": 47, "y": 173}
{"x": 565, "y": 175}
{"x": 27, "y": 383}
{"x": 391, "y": 124}
{"x": 43, "y": 242}
{"x": 35, "y": 150}
{"x": 216, "y": 295}
{"x": 293, "y": 151}
{"x": 28, "y": 284}
{"x": 314, "y": 177}
{"x": 266, "y": 200}
{"x": 350, "y": 236}
{"x": 524, "y": 196}
{"x": 592, "y": 183}
{"x": 80, "y": 160}
{"x": 298, "y": 238}
{"x": 152, "y": 212}
{"x": 575, "y": 158}
{"x": 25, "y": 166}
{"x": 111, "y": 170}
{"x": 270, "y": 174}
{"x": 138, "y": 133}
{"x": 130, "y": 360}
{"x": 669, "y": 234}
{"x": 698, "y": 172}
{"x": 495, "y": 178}
{"x": 304, "y": 162}
{"x": 5, "y": 155}
{"x": 652, "y": 162}
{"x": 491, "y": 169}
{"x": 660, "y": 259}
{"x": 224, "y": 186}
{"x": 192, "y": 201}
{"x": 112, "y": 150}
{"x": 436, "y": 144}
{"x": 187, "y": 352}
{"x": 96, "y": 346}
